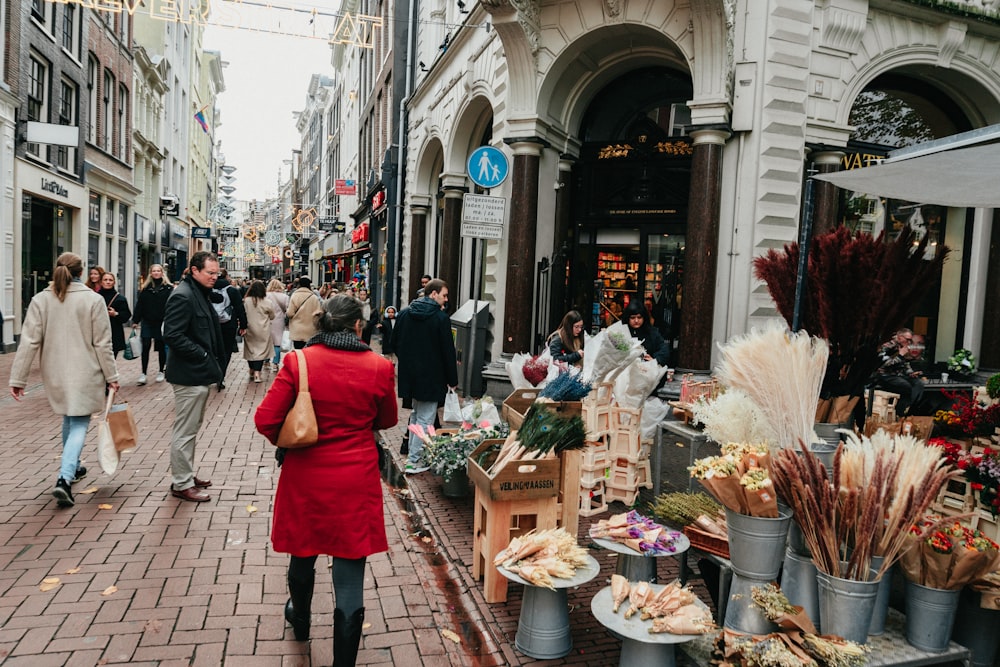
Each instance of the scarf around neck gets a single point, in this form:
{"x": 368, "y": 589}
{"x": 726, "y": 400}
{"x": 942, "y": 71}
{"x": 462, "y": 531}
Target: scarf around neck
{"x": 342, "y": 340}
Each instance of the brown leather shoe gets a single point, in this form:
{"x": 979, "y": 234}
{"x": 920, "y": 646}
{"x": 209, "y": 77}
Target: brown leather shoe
{"x": 194, "y": 494}
{"x": 202, "y": 483}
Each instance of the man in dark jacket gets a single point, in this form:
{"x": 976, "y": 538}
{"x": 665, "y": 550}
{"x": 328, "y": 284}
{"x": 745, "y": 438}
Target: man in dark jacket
{"x": 425, "y": 348}
{"x": 192, "y": 333}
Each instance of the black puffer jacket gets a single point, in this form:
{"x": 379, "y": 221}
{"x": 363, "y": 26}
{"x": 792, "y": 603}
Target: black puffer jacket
{"x": 426, "y": 351}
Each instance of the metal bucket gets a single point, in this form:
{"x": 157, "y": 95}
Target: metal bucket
{"x": 456, "y": 484}
{"x": 798, "y": 582}
{"x": 543, "y": 628}
{"x": 757, "y": 544}
{"x": 797, "y": 541}
{"x": 976, "y": 629}
{"x": 846, "y": 606}
{"x": 930, "y": 615}
{"x": 877, "y": 626}
{"x": 742, "y": 614}
{"x": 828, "y": 432}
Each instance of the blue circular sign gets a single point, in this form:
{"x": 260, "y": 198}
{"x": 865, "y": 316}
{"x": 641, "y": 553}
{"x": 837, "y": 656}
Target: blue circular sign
{"x": 488, "y": 167}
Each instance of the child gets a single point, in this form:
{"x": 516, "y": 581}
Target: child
{"x": 385, "y": 327}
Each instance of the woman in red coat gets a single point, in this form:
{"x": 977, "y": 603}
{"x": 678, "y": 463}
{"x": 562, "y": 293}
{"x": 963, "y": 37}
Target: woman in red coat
{"x": 329, "y": 497}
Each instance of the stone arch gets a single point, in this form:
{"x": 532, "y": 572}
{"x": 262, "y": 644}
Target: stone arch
{"x": 471, "y": 121}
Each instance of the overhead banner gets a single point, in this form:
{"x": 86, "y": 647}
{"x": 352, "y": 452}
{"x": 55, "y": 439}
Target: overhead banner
{"x": 345, "y": 186}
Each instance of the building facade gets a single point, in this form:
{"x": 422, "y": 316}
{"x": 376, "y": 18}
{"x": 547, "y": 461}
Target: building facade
{"x": 657, "y": 147}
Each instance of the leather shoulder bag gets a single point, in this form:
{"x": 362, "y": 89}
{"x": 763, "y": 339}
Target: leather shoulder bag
{"x": 299, "y": 429}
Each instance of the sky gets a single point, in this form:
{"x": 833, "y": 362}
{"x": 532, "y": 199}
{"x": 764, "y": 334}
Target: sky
{"x": 267, "y": 79}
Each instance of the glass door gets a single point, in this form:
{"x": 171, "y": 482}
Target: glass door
{"x": 662, "y": 286}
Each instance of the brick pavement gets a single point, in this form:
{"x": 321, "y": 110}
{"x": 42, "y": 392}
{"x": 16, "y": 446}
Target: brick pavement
{"x": 198, "y": 584}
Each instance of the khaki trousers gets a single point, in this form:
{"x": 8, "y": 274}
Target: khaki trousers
{"x": 189, "y": 413}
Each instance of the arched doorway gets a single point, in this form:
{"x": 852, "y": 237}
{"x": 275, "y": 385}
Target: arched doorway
{"x": 630, "y": 197}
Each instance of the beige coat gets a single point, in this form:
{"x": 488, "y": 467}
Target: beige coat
{"x": 257, "y": 339}
{"x": 304, "y": 309}
{"x": 73, "y": 338}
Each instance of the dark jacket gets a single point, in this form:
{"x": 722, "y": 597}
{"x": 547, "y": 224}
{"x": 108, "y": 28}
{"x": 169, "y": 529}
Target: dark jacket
{"x": 560, "y": 352}
{"x": 149, "y": 309}
{"x": 192, "y": 332}
{"x": 115, "y": 300}
{"x": 653, "y": 341}
{"x": 239, "y": 317}
{"x": 422, "y": 340}
{"x": 385, "y": 326}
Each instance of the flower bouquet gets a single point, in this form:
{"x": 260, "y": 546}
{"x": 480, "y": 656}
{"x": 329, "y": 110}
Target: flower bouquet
{"x": 944, "y": 554}
{"x": 967, "y": 416}
{"x": 613, "y": 350}
{"x": 740, "y": 479}
{"x": 673, "y": 608}
{"x": 539, "y": 555}
{"x": 983, "y": 473}
{"x": 962, "y": 362}
{"x": 637, "y": 532}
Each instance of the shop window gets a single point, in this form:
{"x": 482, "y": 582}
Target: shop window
{"x": 38, "y": 97}
{"x": 65, "y": 157}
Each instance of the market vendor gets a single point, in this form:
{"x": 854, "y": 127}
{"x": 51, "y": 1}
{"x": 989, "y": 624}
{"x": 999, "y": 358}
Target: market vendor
{"x": 637, "y": 319}
{"x": 897, "y": 375}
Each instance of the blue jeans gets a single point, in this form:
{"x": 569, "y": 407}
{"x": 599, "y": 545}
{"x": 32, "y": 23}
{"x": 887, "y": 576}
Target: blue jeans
{"x": 423, "y": 414}
{"x": 277, "y": 355}
{"x": 74, "y": 433}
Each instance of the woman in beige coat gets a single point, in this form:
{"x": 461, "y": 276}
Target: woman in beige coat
{"x": 67, "y": 324}
{"x": 304, "y": 308}
{"x": 257, "y": 338}
{"x": 276, "y": 295}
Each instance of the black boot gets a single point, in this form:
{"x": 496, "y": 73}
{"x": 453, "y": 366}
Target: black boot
{"x": 346, "y": 637}
{"x": 298, "y": 609}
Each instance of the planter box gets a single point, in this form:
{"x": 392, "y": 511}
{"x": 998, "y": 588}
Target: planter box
{"x": 518, "y": 480}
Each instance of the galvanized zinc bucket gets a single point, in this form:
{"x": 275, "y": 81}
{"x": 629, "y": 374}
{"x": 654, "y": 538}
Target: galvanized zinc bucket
{"x": 846, "y": 606}
{"x": 930, "y": 615}
{"x": 742, "y": 614}
{"x": 877, "y": 626}
{"x": 757, "y": 544}
{"x": 976, "y": 628}
{"x": 798, "y": 583}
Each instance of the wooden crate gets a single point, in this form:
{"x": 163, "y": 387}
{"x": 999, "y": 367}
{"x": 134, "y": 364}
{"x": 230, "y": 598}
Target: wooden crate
{"x": 518, "y": 480}
{"x": 495, "y": 524}
{"x": 516, "y": 404}
{"x": 569, "y": 506}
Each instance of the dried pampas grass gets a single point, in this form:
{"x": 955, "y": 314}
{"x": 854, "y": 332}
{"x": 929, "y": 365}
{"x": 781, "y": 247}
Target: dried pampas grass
{"x": 782, "y": 373}
{"x": 733, "y": 417}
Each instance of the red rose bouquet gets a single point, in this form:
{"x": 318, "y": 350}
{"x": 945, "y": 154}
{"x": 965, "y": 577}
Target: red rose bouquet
{"x": 945, "y": 554}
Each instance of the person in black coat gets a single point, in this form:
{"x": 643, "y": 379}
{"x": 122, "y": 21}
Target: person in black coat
{"x": 236, "y": 324}
{"x": 118, "y": 311}
{"x": 423, "y": 342}
{"x": 192, "y": 332}
{"x": 636, "y": 319}
{"x": 149, "y": 310}
{"x": 385, "y": 328}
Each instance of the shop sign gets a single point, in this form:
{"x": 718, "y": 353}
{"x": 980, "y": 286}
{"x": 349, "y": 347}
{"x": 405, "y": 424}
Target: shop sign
{"x": 378, "y": 200}
{"x": 54, "y": 187}
{"x": 340, "y": 226}
{"x": 345, "y": 186}
{"x": 201, "y": 233}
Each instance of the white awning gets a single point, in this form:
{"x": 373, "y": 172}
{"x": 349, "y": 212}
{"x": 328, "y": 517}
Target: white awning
{"x": 947, "y": 172}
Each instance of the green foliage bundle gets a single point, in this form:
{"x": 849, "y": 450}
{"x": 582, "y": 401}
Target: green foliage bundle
{"x": 544, "y": 431}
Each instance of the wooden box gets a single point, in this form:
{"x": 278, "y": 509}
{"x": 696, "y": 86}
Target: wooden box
{"x": 516, "y": 405}
{"x": 518, "y": 480}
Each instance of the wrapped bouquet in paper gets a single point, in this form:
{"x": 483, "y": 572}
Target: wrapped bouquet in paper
{"x": 736, "y": 483}
{"x": 638, "y": 381}
{"x": 749, "y": 455}
{"x": 720, "y": 475}
{"x": 637, "y": 532}
{"x": 759, "y": 492}
{"x": 673, "y": 609}
{"x": 616, "y": 349}
{"x": 538, "y": 556}
{"x": 947, "y": 555}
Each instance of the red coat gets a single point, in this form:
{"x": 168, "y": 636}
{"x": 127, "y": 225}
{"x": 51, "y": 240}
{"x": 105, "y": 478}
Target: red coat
{"x": 329, "y": 497}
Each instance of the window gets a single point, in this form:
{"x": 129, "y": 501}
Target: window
{"x": 94, "y": 220}
{"x": 66, "y": 155}
{"x": 106, "y": 108}
{"x": 122, "y": 219}
{"x": 123, "y": 116}
{"x": 109, "y": 221}
{"x": 38, "y": 102}
{"x": 70, "y": 29}
{"x": 92, "y": 100}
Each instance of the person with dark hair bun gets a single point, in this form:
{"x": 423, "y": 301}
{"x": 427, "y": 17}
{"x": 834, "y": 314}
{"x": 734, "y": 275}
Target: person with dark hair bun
{"x": 329, "y": 495}
{"x": 637, "y": 319}
{"x": 67, "y": 325}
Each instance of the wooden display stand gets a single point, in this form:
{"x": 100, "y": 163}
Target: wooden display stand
{"x": 569, "y": 502}
{"x": 496, "y": 523}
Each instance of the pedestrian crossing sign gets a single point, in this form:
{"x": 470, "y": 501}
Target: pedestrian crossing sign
{"x": 488, "y": 167}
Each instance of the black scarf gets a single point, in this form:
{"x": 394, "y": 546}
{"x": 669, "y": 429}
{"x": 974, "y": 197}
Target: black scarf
{"x": 108, "y": 294}
{"x": 342, "y": 340}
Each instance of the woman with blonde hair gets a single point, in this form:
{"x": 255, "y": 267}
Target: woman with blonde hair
{"x": 67, "y": 324}
{"x": 279, "y": 301}
{"x": 257, "y": 338}
{"x": 149, "y": 310}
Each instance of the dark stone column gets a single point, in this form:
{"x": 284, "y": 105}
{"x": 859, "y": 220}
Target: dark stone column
{"x": 989, "y": 348}
{"x": 825, "y": 194}
{"x": 519, "y": 295}
{"x": 418, "y": 241}
{"x": 701, "y": 250}
{"x": 562, "y": 246}
{"x": 450, "y": 253}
